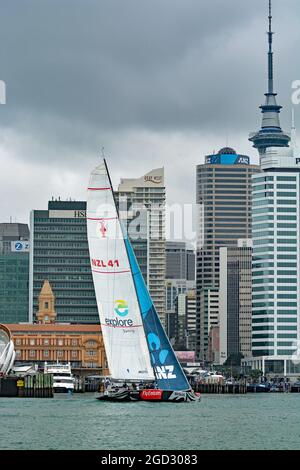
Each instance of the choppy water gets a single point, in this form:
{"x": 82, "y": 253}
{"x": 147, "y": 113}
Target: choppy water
{"x": 263, "y": 421}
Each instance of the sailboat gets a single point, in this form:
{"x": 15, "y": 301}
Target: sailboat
{"x": 138, "y": 351}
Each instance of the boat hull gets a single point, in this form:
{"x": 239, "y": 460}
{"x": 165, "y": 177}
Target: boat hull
{"x": 152, "y": 395}
{"x": 63, "y": 390}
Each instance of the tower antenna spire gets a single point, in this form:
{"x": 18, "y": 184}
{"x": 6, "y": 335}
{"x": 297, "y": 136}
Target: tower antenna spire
{"x": 270, "y": 53}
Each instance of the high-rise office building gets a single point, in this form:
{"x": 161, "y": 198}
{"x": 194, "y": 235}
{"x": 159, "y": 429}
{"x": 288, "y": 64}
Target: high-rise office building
{"x": 14, "y": 272}
{"x": 235, "y": 302}
{"x": 180, "y": 261}
{"x": 59, "y": 253}
{"x": 224, "y": 202}
{"x": 180, "y": 278}
{"x": 142, "y": 204}
{"x": 186, "y": 321}
{"x": 276, "y": 252}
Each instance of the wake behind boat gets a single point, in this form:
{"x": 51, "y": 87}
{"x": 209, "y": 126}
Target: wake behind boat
{"x": 137, "y": 347}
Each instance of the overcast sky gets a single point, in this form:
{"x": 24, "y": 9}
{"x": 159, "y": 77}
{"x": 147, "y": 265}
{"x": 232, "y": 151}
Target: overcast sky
{"x": 156, "y": 82}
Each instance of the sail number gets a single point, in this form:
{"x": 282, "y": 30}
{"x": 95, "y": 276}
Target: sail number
{"x": 99, "y": 263}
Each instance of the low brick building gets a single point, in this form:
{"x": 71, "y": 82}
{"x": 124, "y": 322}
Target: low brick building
{"x": 47, "y": 341}
{"x": 81, "y": 345}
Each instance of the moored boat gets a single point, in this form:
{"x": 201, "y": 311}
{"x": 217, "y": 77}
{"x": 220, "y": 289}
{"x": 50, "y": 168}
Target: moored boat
{"x": 63, "y": 379}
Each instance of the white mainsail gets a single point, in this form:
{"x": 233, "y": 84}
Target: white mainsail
{"x": 121, "y": 322}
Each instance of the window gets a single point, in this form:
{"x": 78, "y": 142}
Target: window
{"x": 46, "y": 353}
{"x": 74, "y": 342}
{"x": 286, "y": 186}
{"x": 60, "y": 353}
{"x": 32, "y": 353}
{"x": 262, "y": 336}
{"x": 74, "y": 354}
{"x": 287, "y": 335}
{"x": 18, "y": 353}
{"x": 60, "y": 342}
{"x": 286, "y": 328}
{"x": 287, "y": 312}
{"x": 91, "y": 342}
{"x": 286, "y": 209}
{"x": 287, "y": 320}
{"x": 286, "y": 201}
{"x": 286, "y": 217}
{"x": 286, "y": 178}
{"x": 46, "y": 305}
{"x": 46, "y": 342}
{"x": 32, "y": 342}
{"x": 91, "y": 353}
{"x": 284, "y": 194}
{"x": 18, "y": 342}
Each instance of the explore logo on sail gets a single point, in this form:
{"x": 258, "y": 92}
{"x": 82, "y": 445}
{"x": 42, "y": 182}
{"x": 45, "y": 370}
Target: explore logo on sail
{"x": 122, "y": 310}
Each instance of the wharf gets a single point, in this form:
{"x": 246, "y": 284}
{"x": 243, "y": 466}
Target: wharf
{"x": 221, "y": 388}
{"x": 33, "y": 386}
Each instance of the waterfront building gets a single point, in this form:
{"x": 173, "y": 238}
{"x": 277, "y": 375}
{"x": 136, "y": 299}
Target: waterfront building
{"x": 214, "y": 356}
{"x": 235, "y": 302}
{"x": 141, "y": 203}
{"x": 180, "y": 278}
{"x": 81, "y": 345}
{"x": 59, "y": 252}
{"x": 207, "y": 304}
{"x": 14, "y": 272}
{"x": 48, "y": 341}
{"x": 224, "y": 203}
{"x": 276, "y": 252}
{"x": 185, "y": 314}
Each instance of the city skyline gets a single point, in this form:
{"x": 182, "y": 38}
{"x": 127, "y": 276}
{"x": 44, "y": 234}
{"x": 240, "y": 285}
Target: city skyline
{"x": 54, "y": 125}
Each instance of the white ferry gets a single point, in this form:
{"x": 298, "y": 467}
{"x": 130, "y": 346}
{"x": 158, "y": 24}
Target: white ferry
{"x": 63, "y": 380}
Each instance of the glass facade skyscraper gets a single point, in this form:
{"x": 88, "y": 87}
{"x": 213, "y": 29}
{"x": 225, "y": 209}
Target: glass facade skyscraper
{"x": 59, "y": 253}
{"x": 235, "y": 301}
{"x": 224, "y": 201}
{"x": 14, "y": 272}
{"x": 276, "y": 261}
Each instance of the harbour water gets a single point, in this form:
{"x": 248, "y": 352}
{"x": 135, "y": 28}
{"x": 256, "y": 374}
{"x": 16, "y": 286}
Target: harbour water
{"x": 256, "y": 421}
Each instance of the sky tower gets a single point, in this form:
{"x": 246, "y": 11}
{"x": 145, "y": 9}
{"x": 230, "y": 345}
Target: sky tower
{"x": 270, "y": 134}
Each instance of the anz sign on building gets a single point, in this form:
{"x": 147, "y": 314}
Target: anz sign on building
{"x": 227, "y": 156}
{"x": 20, "y": 246}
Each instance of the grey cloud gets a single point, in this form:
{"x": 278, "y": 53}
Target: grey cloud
{"x": 131, "y": 74}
